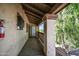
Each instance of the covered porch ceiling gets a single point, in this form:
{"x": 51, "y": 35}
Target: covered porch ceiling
{"x": 36, "y": 11}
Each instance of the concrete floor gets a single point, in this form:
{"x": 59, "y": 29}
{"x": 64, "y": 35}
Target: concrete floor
{"x": 32, "y": 48}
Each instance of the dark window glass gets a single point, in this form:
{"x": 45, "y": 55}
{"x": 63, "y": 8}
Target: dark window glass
{"x": 20, "y": 22}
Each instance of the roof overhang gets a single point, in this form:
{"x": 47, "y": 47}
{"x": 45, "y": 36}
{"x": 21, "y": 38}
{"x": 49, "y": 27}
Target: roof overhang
{"x": 36, "y": 11}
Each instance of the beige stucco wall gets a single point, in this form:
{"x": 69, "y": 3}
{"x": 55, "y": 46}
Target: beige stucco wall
{"x": 51, "y": 37}
{"x": 14, "y": 39}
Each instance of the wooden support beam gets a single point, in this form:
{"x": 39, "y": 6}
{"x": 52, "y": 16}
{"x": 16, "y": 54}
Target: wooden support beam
{"x": 45, "y": 8}
{"x": 50, "y": 4}
{"x": 30, "y": 8}
{"x": 30, "y": 16}
{"x": 60, "y": 8}
{"x": 55, "y": 9}
{"x": 33, "y": 19}
{"x": 35, "y": 15}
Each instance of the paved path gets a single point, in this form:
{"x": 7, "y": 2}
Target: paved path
{"x": 31, "y": 48}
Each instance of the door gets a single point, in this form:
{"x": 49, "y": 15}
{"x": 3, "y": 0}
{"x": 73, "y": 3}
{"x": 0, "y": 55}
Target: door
{"x": 33, "y": 31}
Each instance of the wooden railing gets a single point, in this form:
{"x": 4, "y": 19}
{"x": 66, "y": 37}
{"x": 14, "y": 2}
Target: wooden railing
{"x": 41, "y": 37}
{"x": 60, "y": 51}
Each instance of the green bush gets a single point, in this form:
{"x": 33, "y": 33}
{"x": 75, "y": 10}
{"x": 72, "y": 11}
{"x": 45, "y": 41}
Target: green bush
{"x": 67, "y": 27}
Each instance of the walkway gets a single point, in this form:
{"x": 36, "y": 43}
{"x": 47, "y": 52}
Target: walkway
{"x": 31, "y": 48}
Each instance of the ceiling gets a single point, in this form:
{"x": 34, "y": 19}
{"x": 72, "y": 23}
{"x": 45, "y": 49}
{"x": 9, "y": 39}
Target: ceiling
{"x": 36, "y": 11}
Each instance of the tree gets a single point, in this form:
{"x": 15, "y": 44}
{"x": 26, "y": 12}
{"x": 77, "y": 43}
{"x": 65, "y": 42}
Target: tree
{"x": 68, "y": 26}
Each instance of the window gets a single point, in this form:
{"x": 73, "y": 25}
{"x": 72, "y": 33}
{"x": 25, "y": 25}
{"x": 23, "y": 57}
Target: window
{"x": 41, "y": 27}
{"x": 20, "y": 22}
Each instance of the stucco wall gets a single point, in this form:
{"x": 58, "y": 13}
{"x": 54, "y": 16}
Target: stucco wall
{"x": 51, "y": 37}
{"x": 14, "y": 39}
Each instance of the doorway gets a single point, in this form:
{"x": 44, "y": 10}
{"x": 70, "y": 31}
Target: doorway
{"x": 32, "y": 31}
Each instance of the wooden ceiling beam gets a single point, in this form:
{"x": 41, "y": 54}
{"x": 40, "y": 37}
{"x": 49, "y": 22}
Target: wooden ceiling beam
{"x": 50, "y": 4}
{"x": 33, "y": 22}
{"x": 38, "y": 6}
{"x": 30, "y": 8}
{"x": 60, "y": 8}
{"x": 35, "y": 15}
{"x": 55, "y": 9}
{"x": 33, "y": 19}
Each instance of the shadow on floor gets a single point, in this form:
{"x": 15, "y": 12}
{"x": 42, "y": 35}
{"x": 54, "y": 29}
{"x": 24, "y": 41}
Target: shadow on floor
{"x": 31, "y": 48}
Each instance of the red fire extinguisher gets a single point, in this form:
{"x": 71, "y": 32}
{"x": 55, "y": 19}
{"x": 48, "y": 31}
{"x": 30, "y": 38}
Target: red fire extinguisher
{"x": 2, "y": 33}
